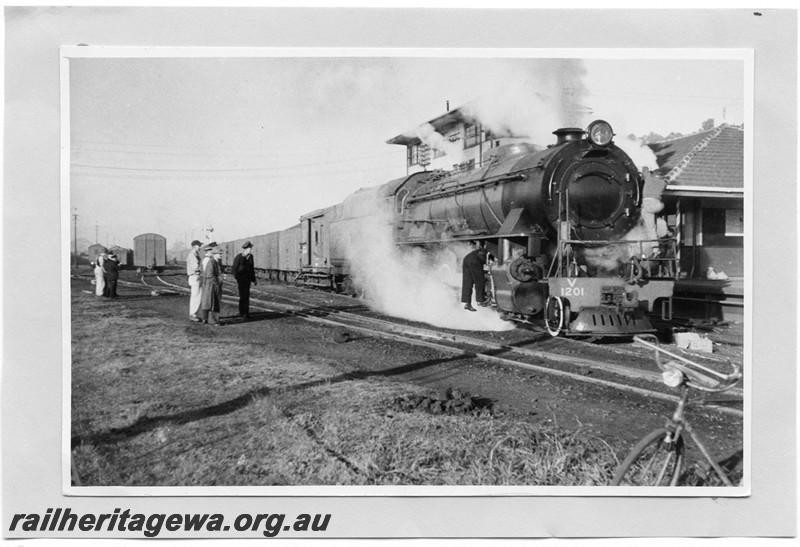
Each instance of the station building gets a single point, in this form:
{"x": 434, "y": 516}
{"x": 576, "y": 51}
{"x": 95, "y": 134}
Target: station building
{"x": 705, "y": 193}
{"x": 704, "y": 198}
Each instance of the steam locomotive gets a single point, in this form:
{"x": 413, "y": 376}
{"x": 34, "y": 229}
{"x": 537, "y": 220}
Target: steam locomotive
{"x": 562, "y": 225}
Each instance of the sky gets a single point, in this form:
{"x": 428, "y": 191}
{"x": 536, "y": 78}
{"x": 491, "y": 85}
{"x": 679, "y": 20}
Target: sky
{"x": 246, "y": 145}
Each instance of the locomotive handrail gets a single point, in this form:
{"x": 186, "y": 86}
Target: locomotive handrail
{"x": 457, "y": 189}
{"x": 642, "y": 266}
{"x": 489, "y": 206}
{"x": 607, "y": 242}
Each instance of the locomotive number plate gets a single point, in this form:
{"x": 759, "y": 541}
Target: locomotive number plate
{"x": 572, "y": 291}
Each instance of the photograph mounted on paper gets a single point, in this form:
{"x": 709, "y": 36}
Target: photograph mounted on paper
{"x": 394, "y": 272}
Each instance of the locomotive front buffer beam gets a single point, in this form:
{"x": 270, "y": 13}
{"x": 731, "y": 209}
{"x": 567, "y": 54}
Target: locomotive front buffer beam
{"x": 595, "y": 307}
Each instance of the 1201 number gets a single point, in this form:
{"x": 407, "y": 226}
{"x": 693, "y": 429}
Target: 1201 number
{"x": 572, "y": 291}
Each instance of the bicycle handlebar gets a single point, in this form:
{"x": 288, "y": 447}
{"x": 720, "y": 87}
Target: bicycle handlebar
{"x": 707, "y": 380}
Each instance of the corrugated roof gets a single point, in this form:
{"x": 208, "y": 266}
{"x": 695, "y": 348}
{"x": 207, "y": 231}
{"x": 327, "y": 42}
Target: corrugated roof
{"x": 710, "y": 159}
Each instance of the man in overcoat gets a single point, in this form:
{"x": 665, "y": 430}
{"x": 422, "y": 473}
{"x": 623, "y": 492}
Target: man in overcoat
{"x": 472, "y": 275}
{"x": 110, "y": 275}
{"x": 211, "y": 285}
{"x": 244, "y": 272}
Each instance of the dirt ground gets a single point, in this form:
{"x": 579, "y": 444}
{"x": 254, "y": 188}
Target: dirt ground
{"x": 616, "y": 418}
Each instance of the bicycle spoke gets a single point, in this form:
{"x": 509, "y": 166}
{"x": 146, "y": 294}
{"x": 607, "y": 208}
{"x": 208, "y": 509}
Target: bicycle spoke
{"x": 653, "y": 462}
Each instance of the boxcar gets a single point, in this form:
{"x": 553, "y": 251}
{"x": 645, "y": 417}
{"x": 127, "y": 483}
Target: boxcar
{"x": 149, "y": 251}
{"x": 289, "y": 256}
{"x": 228, "y": 254}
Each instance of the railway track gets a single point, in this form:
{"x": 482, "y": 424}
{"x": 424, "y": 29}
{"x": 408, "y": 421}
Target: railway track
{"x": 643, "y": 382}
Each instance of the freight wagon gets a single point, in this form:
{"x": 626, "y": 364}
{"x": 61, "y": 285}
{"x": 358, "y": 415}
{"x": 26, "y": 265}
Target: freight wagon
{"x": 276, "y": 255}
{"x": 149, "y": 252}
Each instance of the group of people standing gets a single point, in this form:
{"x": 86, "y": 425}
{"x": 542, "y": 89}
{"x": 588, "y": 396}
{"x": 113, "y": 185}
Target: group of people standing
{"x": 106, "y": 274}
{"x": 206, "y": 277}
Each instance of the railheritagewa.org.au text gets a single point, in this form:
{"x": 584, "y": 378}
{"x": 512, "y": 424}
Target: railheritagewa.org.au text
{"x": 153, "y": 524}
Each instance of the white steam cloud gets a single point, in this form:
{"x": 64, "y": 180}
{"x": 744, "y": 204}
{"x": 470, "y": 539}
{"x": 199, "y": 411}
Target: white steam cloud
{"x": 428, "y": 135}
{"x": 641, "y": 154}
{"x": 425, "y": 286}
{"x": 413, "y": 284}
{"x": 547, "y": 97}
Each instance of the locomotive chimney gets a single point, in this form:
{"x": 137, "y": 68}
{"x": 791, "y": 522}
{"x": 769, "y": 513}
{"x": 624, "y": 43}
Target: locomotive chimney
{"x": 448, "y": 106}
{"x": 568, "y": 134}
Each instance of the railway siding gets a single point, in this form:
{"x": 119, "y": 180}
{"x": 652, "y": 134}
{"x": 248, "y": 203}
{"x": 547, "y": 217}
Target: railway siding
{"x": 606, "y": 373}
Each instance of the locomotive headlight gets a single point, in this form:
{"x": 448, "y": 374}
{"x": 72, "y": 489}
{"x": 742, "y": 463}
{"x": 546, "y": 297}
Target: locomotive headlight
{"x": 600, "y": 133}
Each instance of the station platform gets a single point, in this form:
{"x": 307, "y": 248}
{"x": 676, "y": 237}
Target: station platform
{"x": 709, "y": 300}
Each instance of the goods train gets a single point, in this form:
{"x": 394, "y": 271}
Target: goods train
{"x": 562, "y": 224}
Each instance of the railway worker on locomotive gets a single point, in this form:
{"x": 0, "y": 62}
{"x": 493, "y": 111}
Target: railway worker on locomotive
{"x": 473, "y": 276}
{"x": 652, "y": 192}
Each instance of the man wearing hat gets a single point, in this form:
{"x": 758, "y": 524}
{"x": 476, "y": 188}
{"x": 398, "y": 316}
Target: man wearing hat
{"x": 110, "y": 275}
{"x": 99, "y": 283}
{"x": 211, "y": 285}
{"x": 193, "y": 271}
{"x": 244, "y": 272}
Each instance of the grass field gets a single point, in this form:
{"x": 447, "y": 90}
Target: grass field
{"x": 157, "y": 402}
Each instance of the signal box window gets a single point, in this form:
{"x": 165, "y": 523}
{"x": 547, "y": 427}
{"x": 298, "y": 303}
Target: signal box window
{"x": 723, "y": 227}
{"x": 413, "y": 155}
{"x": 472, "y": 135}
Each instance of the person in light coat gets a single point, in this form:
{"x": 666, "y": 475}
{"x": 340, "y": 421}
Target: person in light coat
{"x": 652, "y": 194}
{"x": 99, "y": 282}
{"x": 193, "y": 272}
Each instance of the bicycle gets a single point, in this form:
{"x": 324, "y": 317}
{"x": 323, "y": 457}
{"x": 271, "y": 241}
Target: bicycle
{"x": 657, "y": 459}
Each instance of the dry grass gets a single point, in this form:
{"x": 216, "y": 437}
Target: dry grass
{"x": 161, "y": 406}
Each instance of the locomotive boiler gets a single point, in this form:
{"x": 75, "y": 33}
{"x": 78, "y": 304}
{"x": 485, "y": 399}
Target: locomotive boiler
{"x": 561, "y": 223}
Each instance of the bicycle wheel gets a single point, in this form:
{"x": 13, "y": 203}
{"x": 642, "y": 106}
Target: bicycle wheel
{"x": 652, "y": 462}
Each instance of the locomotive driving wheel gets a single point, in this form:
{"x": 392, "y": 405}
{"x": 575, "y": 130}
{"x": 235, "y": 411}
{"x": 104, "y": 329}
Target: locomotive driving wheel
{"x": 556, "y": 315}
